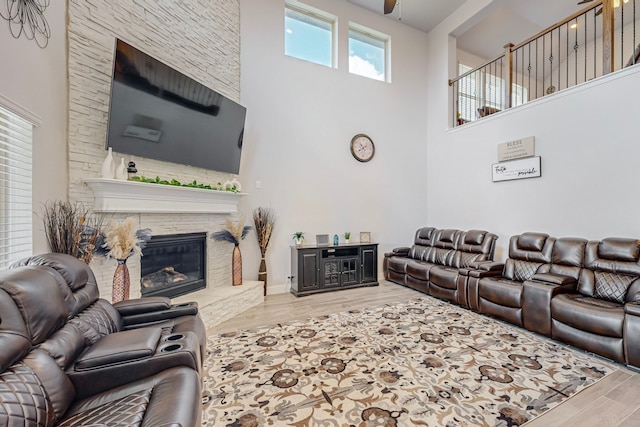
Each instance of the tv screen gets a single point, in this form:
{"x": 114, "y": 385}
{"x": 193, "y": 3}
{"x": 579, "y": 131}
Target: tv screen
{"x": 159, "y": 113}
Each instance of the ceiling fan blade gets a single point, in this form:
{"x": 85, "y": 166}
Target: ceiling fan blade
{"x": 388, "y": 6}
{"x": 585, "y": 1}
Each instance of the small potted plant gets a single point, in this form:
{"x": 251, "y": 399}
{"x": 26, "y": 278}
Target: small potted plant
{"x": 298, "y": 236}
{"x": 347, "y": 236}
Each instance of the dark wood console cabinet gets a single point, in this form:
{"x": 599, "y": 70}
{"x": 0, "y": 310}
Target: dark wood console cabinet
{"x": 328, "y": 268}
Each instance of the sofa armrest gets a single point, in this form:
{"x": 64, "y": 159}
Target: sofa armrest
{"x": 120, "y": 347}
{"x": 401, "y": 251}
{"x": 631, "y": 333}
{"x": 142, "y": 305}
{"x": 536, "y": 300}
{"x": 157, "y": 309}
{"x": 554, "y": 279}
{"x": 632, "y": 308}
{"x": 487, "y": 266}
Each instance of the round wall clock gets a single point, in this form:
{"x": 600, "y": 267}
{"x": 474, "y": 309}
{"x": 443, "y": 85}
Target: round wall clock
{"x": 362, "y": 148}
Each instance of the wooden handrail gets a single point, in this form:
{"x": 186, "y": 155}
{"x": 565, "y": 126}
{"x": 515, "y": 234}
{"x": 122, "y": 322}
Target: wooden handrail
{"x": 461, "y": 76}
{"x": 558, "y": 24}
{"x": 547, "y": 30}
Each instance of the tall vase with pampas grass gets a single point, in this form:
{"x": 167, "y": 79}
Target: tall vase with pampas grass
{"x": 234, "y": 233}
{"x": 263, "y": 219}
{"x": 122, "y": 241}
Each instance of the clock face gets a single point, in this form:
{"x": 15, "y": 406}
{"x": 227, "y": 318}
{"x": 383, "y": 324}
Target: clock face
{"x": 362, "y": 148}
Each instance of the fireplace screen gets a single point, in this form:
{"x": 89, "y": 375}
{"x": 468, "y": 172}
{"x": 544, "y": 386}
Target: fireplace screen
{"x": 173, "y": 265}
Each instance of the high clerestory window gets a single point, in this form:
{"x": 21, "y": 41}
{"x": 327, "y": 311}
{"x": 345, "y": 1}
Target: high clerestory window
{"x": 368, "y": 52}
{"x": 15, "y": 187}
{"x": 309, "y": 34}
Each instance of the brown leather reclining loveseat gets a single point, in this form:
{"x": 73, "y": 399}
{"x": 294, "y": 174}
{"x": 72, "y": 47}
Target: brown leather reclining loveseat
{"x": 68, "y": 358}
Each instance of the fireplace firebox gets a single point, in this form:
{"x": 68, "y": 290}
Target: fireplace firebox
{"x": 173, "y": 265}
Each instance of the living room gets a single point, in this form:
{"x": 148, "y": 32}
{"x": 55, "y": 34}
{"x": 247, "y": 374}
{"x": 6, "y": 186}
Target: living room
{"x": 301, "y": 117}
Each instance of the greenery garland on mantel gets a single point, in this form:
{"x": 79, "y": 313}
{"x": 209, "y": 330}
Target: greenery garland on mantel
{"x": 193, "y": 184}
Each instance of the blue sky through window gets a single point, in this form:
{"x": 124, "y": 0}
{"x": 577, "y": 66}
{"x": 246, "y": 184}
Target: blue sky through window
{"x": 366, "y": 56}
{"x": 307, "y": 38}
{"x": 310, "y": 37}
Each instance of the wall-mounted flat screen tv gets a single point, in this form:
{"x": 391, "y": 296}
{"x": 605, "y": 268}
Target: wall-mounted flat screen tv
{"x": 159, "y": 113}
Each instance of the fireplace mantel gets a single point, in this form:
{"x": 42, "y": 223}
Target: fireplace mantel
{"x": 112, "y": 195}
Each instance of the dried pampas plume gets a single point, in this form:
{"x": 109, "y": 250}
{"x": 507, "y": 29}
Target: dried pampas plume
{"x": 233, "y": 233}
{"x": 121, "y": 239}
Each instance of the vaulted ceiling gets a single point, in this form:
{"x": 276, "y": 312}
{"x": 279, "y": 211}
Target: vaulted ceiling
{"x": 502, "y": 22}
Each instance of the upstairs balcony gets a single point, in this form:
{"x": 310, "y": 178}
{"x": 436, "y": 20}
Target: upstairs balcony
{"x": 596, "y": 41}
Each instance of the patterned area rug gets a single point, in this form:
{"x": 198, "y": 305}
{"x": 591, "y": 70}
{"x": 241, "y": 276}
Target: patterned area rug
{"x": 422, "y": 362}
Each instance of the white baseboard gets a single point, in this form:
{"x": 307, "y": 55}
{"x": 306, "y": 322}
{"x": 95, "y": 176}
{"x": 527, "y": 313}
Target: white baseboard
{"x": 280, "y": 288}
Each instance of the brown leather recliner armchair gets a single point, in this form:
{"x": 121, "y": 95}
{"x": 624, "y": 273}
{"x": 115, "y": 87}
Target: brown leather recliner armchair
{"x": 39, "y": 345}
{"x": 501, "y": 296}
{"x": 593, "y": 317}
{"x": 96, "y": 317}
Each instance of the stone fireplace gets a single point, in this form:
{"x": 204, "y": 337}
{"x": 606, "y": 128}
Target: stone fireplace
{"x": 177, "y": 211}
{"x": 208, "y": 52}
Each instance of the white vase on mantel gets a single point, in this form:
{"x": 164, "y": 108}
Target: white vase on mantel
{"x": 108, "y": 166}
{"x": 121, "y": 171}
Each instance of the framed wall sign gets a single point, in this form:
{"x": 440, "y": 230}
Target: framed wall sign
{"x": 365, "y": 237}
{"x": 517, "y": 149}
{"x": 517, "y": 169}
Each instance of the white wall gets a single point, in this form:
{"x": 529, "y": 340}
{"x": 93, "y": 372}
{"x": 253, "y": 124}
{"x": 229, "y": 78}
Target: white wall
{"x": 587, "y": 137}
{"x": 35, "y": 79}
{"x": 300, "y": 120}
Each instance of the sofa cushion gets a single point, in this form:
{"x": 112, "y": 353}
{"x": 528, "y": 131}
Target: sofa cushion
{"x": 474, "y": 237}
{"x": 77, "y": 277}
{"x": 419, "y": 269}
{"x": 424, "y": 236}
{"x": 532, "y": 241}
{"x": 29, "y": 287}
{"x": 169, "y": 398}
{"x": 612, "y": 287}
{"x": 531, "y": 247}
{"x": 594, "y": 315}
{"x": 55, "y": 384}
{"x": 609, "y": 278}
{"x": 445, "y": 277}
{"x": 501, "y": 291}
{"x": 398, "y": 264}
{"x": 619, "y": 249}
{"x": 420, "y": 252}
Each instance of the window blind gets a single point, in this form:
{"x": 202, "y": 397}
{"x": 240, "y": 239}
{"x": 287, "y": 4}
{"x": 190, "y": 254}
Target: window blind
{"x": 16, "y": 136}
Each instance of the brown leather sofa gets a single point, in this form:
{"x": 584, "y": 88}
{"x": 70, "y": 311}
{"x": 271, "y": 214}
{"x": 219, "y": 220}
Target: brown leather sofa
{"x": 58, "y": 368}
{"x": 599, "y": 314}
{"x": 586, "y": 294}
{"x": 431, "y": 265}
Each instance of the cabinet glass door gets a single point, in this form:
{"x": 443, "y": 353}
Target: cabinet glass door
{"x": 349, "y": 271}
{"x": 331, "y": 273}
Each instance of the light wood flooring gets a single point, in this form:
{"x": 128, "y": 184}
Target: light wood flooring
{"x": 614, "y": 401}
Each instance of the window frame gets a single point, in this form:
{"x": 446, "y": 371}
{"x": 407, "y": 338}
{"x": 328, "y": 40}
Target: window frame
{"x": 375, "y": 37}
{"x": 312, "y": 14}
